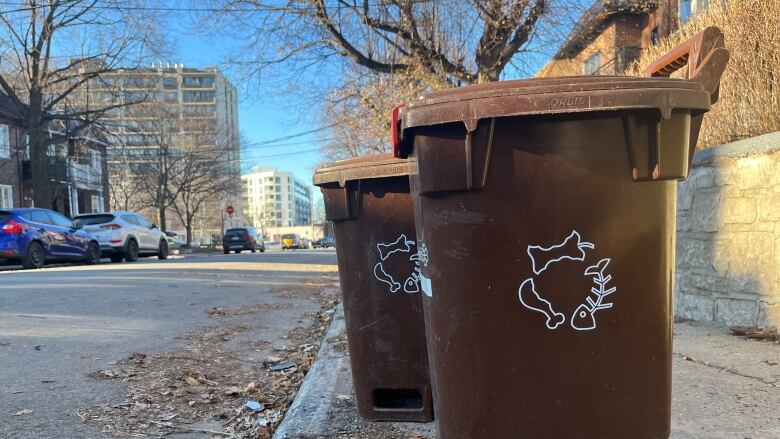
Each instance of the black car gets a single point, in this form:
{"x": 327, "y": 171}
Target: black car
{"x": 325, "y": 242}
{"x": 240, "y": 239}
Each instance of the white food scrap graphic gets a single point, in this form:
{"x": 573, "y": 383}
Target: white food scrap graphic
{"x": 401, "y": 247}
{"x": 574, "y": 249}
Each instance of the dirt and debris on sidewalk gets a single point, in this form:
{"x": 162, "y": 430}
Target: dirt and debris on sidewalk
{"x": 325, "y": 407}
{"x": 223, "y": 381}
{"x": 724, "y": 387}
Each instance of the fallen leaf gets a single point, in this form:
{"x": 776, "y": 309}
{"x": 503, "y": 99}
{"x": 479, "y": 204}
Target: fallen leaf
{"x": 192, "y": 382}
{"x": 232, "y": 390}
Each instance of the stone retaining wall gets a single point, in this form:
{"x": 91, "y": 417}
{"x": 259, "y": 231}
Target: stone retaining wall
{"x": 728, "y": 235}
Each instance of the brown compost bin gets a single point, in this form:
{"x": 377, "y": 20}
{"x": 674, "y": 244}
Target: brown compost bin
{"x": 545, "y": 213}
{"x": 369, "y": 203}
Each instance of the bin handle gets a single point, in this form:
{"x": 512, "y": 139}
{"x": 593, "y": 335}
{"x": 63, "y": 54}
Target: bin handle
{"x": 706, "y": 57}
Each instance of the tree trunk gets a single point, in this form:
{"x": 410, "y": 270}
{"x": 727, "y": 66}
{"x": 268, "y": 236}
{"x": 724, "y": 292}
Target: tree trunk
{"x": 161, "y": 215}
{"x": 42, "y": 191}
{"x": 189, "y": 231}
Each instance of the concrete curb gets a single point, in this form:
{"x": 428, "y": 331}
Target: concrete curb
{"x": 325, "y": 406}
{"x": 310, "y": 407}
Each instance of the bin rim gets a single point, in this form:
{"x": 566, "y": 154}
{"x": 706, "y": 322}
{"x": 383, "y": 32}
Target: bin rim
{"x": 362, "y": 168}
{"x": 542, "y": 96}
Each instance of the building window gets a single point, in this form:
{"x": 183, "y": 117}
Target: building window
{"x": 170, "y": 83}
{"x": 654, "y": 36}
{"x": 95, "y": 159}
{"x": 593, "y": 64}
{"x": 5, "y": 145}
{"x": 97, "y": 204}
{"x": 6, "y": 197}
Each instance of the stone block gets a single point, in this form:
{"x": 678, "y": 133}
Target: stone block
{"x": 752, "y": 262}
{"x": 736, "y": 312}
{"x": 685, "y": 191}
{"x": 706, "y": 284}
{"x": 721, "y": 252}
{"x": 695, "y": 307}
{"x": 770, "y": 208}
{"x": 694, "y": 253}
{"x": 706, "y": 210}
{"x": 739, "y": 210}
{"x": 755, "y": 171}
{"x": 703, "y": 177}
{"x": 755, "y": 227}
{"x": 768, "y": 315}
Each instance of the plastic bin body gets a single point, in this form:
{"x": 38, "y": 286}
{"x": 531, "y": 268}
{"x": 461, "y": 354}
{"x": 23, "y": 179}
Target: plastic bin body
{"x": 546, "y": 217}
{"x": 373, "y": 222}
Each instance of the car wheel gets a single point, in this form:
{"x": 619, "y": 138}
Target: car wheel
{"x": 117, "y": 258}
{"x": 237, "y": 251}
{"x": 93, "y": 253}
{"x": 35, "y": 256}
{"x": 131, "y": 253}
{"x": 254, "y": 249}
{"x": 226, "y": 251}
{"x": 262, "y": 249}
{"x": 162, "y": 252}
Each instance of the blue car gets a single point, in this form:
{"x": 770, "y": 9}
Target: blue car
{"x": 35, "y": 236}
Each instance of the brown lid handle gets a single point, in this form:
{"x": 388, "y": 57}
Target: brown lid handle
{"x": 706, "y": 57}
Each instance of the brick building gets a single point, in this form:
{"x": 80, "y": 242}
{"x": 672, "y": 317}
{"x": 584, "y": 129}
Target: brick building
{"x": 12, "y": 137}
{"x": 610, "y": 35}
{"x": 77, "y": 167}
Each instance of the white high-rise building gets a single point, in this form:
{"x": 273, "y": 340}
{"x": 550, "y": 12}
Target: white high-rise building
{"x": 275, "y": 199}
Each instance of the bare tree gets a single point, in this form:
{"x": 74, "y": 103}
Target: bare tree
{"x": 357, "y": 58}
{"x": 461, "y": 41}
{"x": 54, "y": 53}
{"x": 200, "y": 177}
{"x": 125, "y": 189}
{"x": 157, "y": 127}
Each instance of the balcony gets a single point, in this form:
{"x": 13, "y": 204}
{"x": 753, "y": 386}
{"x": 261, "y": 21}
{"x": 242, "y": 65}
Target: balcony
{"x": 58, "y": 170}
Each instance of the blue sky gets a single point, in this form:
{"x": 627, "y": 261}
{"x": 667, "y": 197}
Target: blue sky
{"x": 258, "y": 120}
{"x": 269, "y": 118}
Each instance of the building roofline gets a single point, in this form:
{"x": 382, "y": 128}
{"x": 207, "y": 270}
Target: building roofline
{"x": 589, "y": 26}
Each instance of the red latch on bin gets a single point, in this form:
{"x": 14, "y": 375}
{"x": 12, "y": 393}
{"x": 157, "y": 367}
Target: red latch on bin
{"x": 395, "y": 130}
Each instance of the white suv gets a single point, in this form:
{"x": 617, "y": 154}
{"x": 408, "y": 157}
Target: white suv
{"x": 125, "y": 235}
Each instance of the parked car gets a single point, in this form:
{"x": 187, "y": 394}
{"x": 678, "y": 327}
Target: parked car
{"x": 293, "y": 241}
{"x": 125, "y": 235}
{"x": 240, "y": 239}
{"x": 325, "y": 242}
{"x": 175, "y": 240}
{"x": 36, "y": 236}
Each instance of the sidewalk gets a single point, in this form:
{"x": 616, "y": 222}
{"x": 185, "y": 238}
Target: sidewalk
{"x": 724, "y": 388}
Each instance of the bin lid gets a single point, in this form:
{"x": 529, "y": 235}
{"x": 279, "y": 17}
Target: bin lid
{"x": 361, "y": 168}
{"x": 573, "y": 94}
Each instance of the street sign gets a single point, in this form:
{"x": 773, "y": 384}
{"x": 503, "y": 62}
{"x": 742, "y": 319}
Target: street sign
{"x": 230, "y": 210}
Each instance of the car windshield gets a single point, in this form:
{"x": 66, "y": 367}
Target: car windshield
{"x": 4, "y": 216}
{"x": 230, "y": 232}
{"x": 88, "y": 220}
{"x": 288, "y": 236}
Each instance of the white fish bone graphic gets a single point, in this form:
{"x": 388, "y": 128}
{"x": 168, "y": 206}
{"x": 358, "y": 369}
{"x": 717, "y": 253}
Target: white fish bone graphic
{"x": 571, "y": 248}
{"x": 584, "y": 318}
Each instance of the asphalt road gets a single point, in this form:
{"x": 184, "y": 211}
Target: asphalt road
{"x": 58, "y": 325}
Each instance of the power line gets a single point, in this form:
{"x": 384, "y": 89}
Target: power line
{"x": 23, "y": 7}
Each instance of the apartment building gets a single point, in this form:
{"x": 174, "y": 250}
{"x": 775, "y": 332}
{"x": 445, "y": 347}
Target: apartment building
{"x": 191, "y": 97}
{"x": 610, "y": 35}
{"x": 275, "y": 199}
